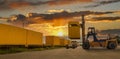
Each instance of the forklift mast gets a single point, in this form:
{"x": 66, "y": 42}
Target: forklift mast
{"x": 83, "y": 28}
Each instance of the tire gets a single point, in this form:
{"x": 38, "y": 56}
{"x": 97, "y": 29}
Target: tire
{"x": 74, "y": 46}
{"x": 86, "y": 46}
{"x": 111, "y": 45}
{"x": 67, "y": 47}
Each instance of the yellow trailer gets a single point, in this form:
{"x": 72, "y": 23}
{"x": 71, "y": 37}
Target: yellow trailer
{"x": 53, "y": 41}
{"x": 68, "y": 41}
{"x": 65, "y": 42}
{"x": 62, "y": 42}
{"x": 34, "y": 38}
{"x": 11, "y": 35}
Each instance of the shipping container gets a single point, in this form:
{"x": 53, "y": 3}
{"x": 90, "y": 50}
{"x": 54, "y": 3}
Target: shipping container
{"x": 65, "y": 42}
{"x": 53, "y": 41}
{"x": 56, "y": 41}
{"x": 74, "y": 30}
{"x": 11, "y": 35}
{"x": 62, "y": 42}
{"x": 34, "y": 38}
{"x": 68, "y": 41}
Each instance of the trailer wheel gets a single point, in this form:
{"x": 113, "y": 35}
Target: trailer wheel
{"x": 74, "y": 47}
{"x": 67, "y": 47}
{"x": 111, "y": 45}
{"x": 86, "y": 45}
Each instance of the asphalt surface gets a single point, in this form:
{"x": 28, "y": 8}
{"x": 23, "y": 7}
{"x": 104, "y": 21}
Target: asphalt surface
{"x": 62, "y": 53}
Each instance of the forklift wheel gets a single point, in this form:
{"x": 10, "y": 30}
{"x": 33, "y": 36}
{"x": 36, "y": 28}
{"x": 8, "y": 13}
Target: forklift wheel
{"x": 111, "y": 45}
{"x": 86, "y": 46}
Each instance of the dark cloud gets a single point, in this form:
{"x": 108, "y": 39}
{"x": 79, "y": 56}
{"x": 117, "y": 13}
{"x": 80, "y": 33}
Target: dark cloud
{"x": 61, "y": 17}
{"x": 102, "y": 3}
{"x": 3, "y": 5}
{"x": 62, "y": 2}
{"x": 110, "y": 31}
{"x": 41, "y": 18}
{"x": 20, "y": 20}
{"x": 2, "y": 2}
{"x": 10, "y": 4}
{"x": 66, "y": 14}
{"x": 44, "y": 2}
{"x": 106, "y": 18}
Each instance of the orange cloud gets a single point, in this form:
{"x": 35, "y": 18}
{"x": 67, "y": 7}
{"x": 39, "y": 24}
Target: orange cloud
{"x": 18, "y": 4}
{"x": 59, "y": 19}
{"x": 23, "y": 3}
{"x": 62, "y": 2}
{"x": 55, "y": 11}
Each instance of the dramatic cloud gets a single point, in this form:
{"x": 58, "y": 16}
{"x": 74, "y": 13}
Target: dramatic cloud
{"x": 19, "y": 20}
{"x": 8, "y": 4}
{"x": 13, "y": 4}
{"x": 106, "y": 18}
{"x": 58, "y": 19}
{"x": 66, "y": 14}
{"x": 62, "y": 2}
{"x": 111, "y": 31}
{"x": 102, "y": 2}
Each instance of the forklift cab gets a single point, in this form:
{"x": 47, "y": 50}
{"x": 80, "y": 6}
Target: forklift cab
{"x": 92, "y": 32}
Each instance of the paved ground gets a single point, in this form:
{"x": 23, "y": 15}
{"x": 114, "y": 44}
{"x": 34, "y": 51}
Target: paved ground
{"x": 62, "y": 53}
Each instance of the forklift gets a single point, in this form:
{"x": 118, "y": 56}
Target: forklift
{"x": 109, "y": 43}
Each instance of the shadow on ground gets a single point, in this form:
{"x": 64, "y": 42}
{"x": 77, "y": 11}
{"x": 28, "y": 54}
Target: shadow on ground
{"x": 99, "y": 49}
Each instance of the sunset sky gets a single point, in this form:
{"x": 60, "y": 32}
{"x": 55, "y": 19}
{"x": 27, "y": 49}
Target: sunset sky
{"x": 54, "y": 15}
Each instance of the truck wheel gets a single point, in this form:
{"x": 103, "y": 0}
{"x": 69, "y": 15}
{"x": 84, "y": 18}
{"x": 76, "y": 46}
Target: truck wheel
{"x": 86, "y": 45}
{"x": 73, "y": 47}
{"x": 111, "y": 45}
{"x": 67, "y": 47}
